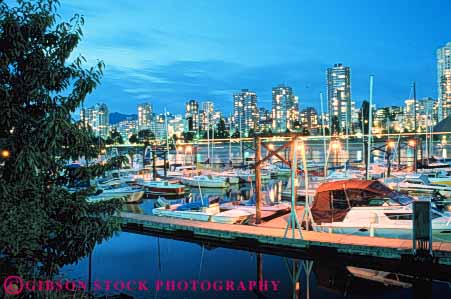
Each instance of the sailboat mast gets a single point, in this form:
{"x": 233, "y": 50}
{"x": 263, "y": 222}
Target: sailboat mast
{"x": 241, "y": 141}
{"x": 415, "y": 148}
{"x": 324, "y": 133}
{"x": 208, "y": 137}
{"x": 348, "y": 110}
{"x": 370, "y": 128}
{"x": 230, "y": 137}
{"x": 167, "y": 133}
{"x": 213, "y": 141}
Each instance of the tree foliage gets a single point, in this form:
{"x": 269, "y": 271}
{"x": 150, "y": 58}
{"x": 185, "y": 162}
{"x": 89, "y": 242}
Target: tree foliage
{"x": 145, "y": 136}
{"x": 188, "y": 136}
{"x": 115, "y": 138}
{"x": 42, "y": 225}
{"x": 133, "y": 138}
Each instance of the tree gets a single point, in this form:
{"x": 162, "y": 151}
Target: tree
{"x": 44, "y": 226}
{"x": 115, "y": 138}
{"x": 335, "y": 125}
{"x": 221, "y": 131}
{"x": 305, "y": 132}
{"x": 145, "y": 136}
{"x": 188, "y": 136}
{"x": 133, "y": 138}
{"x": 236, "y": 134}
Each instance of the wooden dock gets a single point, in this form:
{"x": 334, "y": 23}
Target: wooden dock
{"x": 378, "y": 253}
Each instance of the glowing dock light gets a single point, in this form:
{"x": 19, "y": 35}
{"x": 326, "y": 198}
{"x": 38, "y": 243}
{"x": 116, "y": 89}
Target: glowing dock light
{"x": 335, "y": 145}
{"x": 5, "y": 154}
{"x": 391, "y": 144}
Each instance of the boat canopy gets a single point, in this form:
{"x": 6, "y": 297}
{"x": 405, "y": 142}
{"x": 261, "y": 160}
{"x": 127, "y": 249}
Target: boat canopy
{"x": 333, "y": 200}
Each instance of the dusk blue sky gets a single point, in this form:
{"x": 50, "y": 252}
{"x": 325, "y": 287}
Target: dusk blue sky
{"x": 167, "y": 52}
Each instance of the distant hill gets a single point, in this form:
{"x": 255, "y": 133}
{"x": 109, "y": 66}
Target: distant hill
{"x": 116, "y": 117}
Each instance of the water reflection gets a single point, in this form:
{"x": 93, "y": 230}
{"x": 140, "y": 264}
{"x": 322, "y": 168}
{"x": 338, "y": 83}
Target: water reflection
{"x": 151, "y": 258}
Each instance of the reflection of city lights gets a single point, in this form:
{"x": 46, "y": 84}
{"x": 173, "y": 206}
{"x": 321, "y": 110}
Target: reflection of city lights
{"x": 412, "y": 142}
{"x": 103, "y": 151}
{"x": 188, "y": 149}
{"x": 271, "y": 146}
{"x": 359, "y": 135}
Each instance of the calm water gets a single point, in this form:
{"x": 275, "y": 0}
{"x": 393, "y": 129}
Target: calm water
{"x": 130, "y": 256}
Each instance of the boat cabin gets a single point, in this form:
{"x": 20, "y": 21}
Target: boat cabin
{"x": 333, "y": 200}
{"x": 417, "y": 179}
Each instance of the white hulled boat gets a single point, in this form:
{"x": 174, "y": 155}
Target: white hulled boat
{"x": 362, "y": 207}
{"x": 203, "y": 181}
{"x": 419, "y": 183}
{"x": 131, "y": 195}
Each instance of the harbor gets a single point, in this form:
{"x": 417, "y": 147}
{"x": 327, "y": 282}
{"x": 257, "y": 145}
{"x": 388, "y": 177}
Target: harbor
{"x": 279, "y": 230}
{"x": 214, "y": 149}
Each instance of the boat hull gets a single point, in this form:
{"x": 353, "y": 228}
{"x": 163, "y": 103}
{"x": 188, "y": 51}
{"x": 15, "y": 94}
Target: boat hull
{"x": 203, "y": 184}
{"x": 190, "y": 215}
{"x": 438, "y": 234}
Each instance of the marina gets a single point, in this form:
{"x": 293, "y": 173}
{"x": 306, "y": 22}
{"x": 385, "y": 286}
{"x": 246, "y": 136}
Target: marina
{"x": 219, "y": 150}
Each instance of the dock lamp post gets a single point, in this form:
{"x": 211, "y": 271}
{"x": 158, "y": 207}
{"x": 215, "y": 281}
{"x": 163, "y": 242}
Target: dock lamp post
{"x": 5, "y": 154}
{"x": 189, "y": 150}
{"x": 336, "y": 147}
{"x": 413, "y": 144}
{"x": 389, "y": 151}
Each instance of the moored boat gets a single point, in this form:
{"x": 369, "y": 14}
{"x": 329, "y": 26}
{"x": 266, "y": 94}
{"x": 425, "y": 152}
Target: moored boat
{"x": 163, "y": 188}
{"x": 369, "y": 208}
{"x": 131, "y": 195}
{"x": 234, "y": 216}
{"x": 204, "y": 181}
{"x": 419, "y": 184}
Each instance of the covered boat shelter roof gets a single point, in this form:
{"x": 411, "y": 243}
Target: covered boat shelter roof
{"x": 374, "y": 186}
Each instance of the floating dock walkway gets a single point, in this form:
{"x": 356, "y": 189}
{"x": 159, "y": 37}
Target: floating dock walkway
{"x": 394, "y": 255}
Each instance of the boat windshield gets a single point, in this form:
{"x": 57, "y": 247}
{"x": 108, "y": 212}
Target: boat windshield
{"x": 400, "y": 198}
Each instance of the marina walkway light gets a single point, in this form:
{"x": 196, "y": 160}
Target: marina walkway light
{"x": 335, "y": 145}
{"x": 5, "y": 154}
{"x": 411, "y": 142}
{"x": 391, "y": 144}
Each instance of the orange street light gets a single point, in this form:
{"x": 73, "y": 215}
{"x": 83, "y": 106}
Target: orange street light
{"x": 335, "y": 145}
{"x": 5, "y": 154}
{"x": 411, "y": 143}
{"x": 391, "y": 144}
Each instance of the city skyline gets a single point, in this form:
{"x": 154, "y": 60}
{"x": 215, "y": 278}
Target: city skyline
{"x": 159, "y": 62}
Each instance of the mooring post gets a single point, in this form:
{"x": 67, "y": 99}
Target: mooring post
{"x": 422, "y": 229}
{"x": 165, "y": 163}
{"x": 258, "y": 181}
